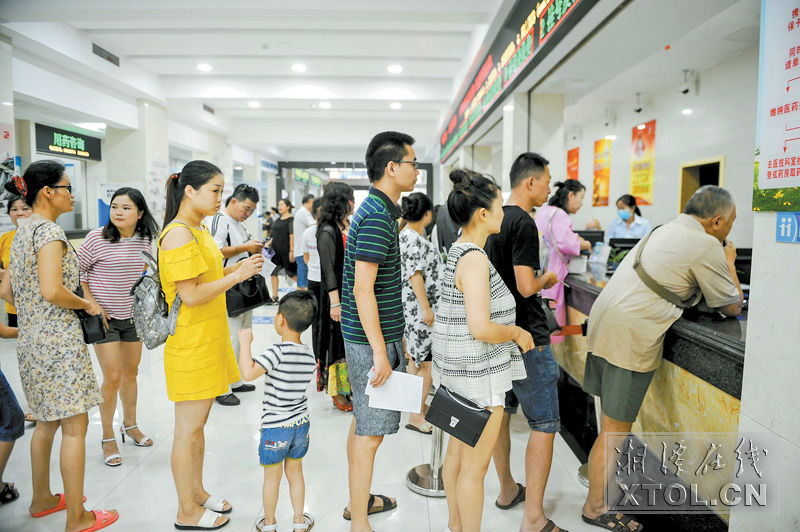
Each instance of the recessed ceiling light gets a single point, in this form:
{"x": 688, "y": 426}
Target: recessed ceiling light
{"x": 333, "y": 162}
{"x": 324, "y": 105}
{"x": 299, "y": 67}
{"x": 94, "y": 126}
{"x": 394, "y": 69}
{"x": 252, "y": 104}
{"x": 610, "y": 137}
{"x": 686, "y": 112}
{"x": 238, "y": 168}
{"x": 640, "y": 127}
{"x": 396, "y": 105}
{"x": 509, "y": 107}
{"x": 204, "y": 67}
{"x": 8, "y": 104}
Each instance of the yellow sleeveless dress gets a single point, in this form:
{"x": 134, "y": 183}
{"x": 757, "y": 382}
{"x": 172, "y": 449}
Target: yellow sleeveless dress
{"x": 198, "y": 360}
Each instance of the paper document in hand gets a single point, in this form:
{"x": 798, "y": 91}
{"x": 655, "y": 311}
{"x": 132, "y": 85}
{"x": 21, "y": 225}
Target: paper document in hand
{"x": 402, "y": 392}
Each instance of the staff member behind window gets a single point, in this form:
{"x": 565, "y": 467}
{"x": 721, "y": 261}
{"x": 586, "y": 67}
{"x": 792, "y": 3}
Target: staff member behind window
{"x": 629, "y": 223}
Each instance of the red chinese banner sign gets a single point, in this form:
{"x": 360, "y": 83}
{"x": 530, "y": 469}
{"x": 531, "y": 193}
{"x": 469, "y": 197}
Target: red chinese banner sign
{"x": 602, "y": 172}
{"x": 572, "y": 163}
{"x": 643, "y": 155}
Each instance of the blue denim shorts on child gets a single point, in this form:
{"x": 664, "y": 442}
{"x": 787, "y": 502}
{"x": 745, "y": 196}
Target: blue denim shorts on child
{"x": 280, "y": 443}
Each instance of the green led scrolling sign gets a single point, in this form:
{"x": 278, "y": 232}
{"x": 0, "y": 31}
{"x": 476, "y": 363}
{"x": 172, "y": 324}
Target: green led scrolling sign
{"x": 521, "y": 39}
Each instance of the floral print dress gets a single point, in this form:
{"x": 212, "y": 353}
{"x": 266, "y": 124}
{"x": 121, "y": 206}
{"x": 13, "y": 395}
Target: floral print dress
{"x": 418, "y": 254}
{"x": 54, "y": 363}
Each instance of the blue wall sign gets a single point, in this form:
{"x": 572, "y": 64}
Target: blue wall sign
{"x": 787, "y": 227}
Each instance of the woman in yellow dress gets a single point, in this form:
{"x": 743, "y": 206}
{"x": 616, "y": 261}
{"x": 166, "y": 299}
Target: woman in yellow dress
{"x": 198, "y": 360}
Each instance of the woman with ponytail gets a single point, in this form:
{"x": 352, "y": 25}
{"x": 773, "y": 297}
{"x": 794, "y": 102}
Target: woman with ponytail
{"x": 476, "y": 344}
{"x": 559, "y": 241}
{"x": 54, "y": 363}
{"x": 198, "y": 360}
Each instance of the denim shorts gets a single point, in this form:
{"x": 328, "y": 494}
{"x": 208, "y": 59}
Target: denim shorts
{"x": 302, "y": 272}
{"x": 371, "y": 421}
{"x": 12, "y": 420}
{"x": 538, "y": 392}
{"x": 280, "y": 443}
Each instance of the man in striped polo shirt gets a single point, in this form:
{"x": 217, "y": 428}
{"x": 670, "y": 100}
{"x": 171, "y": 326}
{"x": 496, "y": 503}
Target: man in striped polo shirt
{"x": 372, "y": 313}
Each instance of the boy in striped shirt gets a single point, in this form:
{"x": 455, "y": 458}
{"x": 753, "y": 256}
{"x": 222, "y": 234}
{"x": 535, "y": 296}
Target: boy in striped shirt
{"x": 289, "y": 369}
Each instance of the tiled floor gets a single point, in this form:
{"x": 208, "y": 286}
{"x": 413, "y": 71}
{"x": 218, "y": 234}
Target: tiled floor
{"x": 143, "y": 493}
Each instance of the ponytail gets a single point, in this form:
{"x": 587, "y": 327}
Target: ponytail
{"x": 195, "y": 174}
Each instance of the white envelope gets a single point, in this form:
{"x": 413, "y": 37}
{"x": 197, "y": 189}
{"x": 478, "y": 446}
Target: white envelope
{"x": 401, "y": 391}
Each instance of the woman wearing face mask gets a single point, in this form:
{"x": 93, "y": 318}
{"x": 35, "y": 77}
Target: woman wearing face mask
{"x": 559, "y": 241}
{"x": 629, "y": 223}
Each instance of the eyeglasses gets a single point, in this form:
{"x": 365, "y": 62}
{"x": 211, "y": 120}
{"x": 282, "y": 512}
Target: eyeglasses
{"x": 68, "y": 187}
{"x": 415, "y": 163}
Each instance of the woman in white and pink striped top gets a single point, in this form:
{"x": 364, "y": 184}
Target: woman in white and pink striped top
{"x": 110, "y": 264}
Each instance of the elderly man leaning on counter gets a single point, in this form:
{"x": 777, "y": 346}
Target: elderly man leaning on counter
{"x": 690, "y": 259}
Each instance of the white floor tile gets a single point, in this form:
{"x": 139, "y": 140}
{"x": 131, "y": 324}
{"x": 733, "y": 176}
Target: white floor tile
{"x": 143, "y": 491}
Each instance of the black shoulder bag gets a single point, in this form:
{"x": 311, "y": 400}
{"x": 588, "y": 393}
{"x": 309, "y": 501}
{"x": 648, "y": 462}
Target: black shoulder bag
{"x": 247, "y": 295}
{"x": 454, "y": 414}
{"x": 91, "y": 324}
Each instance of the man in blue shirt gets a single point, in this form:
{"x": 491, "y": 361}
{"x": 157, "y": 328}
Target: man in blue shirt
{"x": 372, "y": 313}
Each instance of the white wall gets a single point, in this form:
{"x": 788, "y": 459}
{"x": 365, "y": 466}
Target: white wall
{"x": 723, "y": 122}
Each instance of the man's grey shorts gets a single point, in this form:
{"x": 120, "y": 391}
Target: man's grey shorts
{"x": 371, "y": 421}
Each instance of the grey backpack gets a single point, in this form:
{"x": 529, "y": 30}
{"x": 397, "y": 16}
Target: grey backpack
{"x": 153, "y": 319}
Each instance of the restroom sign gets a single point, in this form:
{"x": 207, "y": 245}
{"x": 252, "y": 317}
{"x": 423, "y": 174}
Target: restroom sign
{"x": 787, "y": 227}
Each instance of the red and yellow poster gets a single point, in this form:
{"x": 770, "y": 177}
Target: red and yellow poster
{"x": 572, "y": 163}
{"x": 602, "y": 166}
{"x": 643, "y": 155}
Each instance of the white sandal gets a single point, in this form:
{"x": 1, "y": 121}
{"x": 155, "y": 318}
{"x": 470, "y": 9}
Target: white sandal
{"x": 206, "y": 522}
{"x": 261, "y": 527}
{"x": 216, "y": 504}
{"x": 307, "y": 524}
{"x": 107, "y": 459}
{"x": 144, "y": 442}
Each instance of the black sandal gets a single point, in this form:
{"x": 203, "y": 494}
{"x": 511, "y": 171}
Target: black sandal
{"x": 515, "y": 501}
{"x": 9, "y": 493}
{"x": 610, "y": 521}
{"x": 372, "y": 509}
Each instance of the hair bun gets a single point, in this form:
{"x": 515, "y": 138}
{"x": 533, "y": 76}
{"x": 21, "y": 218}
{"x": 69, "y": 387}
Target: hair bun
{"x": 12, "y": 187}
{"x": 461, "y": 179}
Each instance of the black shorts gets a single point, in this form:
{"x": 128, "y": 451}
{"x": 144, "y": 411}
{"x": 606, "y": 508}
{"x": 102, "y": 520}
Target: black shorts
{"x": 120, "y": 331}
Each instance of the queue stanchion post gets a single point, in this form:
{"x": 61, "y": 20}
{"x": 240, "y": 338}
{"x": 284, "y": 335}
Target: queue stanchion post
{"x": 426, "y": 479}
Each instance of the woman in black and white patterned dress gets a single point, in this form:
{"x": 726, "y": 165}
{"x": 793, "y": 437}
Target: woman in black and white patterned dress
{"x": 421, "y": 264}
{"x": 476, "y": 345}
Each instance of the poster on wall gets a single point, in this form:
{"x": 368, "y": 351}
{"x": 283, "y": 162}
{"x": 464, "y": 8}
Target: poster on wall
{"x": 643, "y": 154}
{"x": 155, "y": 191}
{"x": 572, "y": 163}
{"x": 602, "y": 172}
{"x": 776, "y": 180}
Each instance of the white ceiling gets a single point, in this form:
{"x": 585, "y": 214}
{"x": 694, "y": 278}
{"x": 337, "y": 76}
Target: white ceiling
{"x": 251, "y": 45}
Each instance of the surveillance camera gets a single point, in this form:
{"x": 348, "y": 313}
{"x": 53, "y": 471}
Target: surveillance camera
{"x": 685, "y": 89}
{"x": 689, "y": 85}
{"x": 637, "y": 109}
{"x": 606, "y": 123}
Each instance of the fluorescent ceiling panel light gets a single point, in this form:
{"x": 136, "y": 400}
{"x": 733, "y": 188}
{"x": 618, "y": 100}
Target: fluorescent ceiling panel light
{"x": 394, "y": 69}
{"x": 252, "y": 104}
{"x": 396, "y": 105}
{"x": 8, "y": 104}
{"x": 509, "y": 107}
{"x": 94, "y": 126}
{"x": 204, "y": 67}
{"x": 610, "y": 137}
{"x": 686, "y": 112}
{"x": 299, "y": 68}
{"x": 640, "y": 127}
{"x": 324, "y": 105}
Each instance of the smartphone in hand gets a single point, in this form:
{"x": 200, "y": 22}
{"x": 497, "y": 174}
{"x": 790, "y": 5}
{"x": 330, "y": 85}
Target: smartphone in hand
{"x": 268, "y": 253}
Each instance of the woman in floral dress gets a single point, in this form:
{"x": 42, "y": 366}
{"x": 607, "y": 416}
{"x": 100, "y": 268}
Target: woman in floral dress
{"x": 54, "y": 363}
{"x": 421, "y": 264}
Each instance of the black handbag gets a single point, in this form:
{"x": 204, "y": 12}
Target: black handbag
{"x": 91, "y": 324}
{"x": 247, "y": 295}
{"x": 454, "y": 414}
